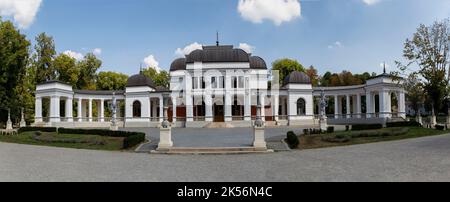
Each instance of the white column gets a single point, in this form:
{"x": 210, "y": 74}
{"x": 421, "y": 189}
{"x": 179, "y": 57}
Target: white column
{"x": 161, "y": 109}
{"x": 38, "y": 110}
{"x": 248, "y": 106}
{"x": 174, "y": 109}
{"x": 228, "y": 103}
{"x": 358, "y": 105}
{"x": 208, "y": 107}
{"x": 347, "y": 100}
{"x": 336, "y": 107}
{"x": 276, "y": 106}
{"x": 90, "y": 110}
{"x": 80, "y": 106}
{"x": 54, "y": 109}
{"x": 401, "y": 104}
{"x": 369, "y": 109}
{"x": 263, "y": 107}
{"x": 385, "y": 104}
{"x": 101, "y": 109}
{"x": 189, "y": 108}
{"x": 69, "y": 109}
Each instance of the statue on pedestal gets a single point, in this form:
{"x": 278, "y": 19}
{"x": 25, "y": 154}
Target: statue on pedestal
{"x": 113, "y": 106}
{"x": 9, "y": 122}
{"x": 22, "y": 120}
{"x": 323, "y": 117}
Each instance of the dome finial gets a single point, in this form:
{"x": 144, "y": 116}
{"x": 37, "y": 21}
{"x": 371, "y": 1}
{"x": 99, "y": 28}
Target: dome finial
{"x": 384, "y": 68}
{"x": 217, "y": 38}
{"x": 140, "y": 68}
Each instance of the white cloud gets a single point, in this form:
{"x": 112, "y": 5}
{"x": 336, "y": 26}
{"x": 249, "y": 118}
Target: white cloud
{"x": 336, "y": 44}
{"x": 97, "y": 51}
{"x": 150, "y": 61}
{"x": 277, "y": 11}
{"x": 188, "y": 49}
{"x": 246, "y": 47}
{"x": 73, "y": 54}
{"x": 371, "y": 2}
{"x": 23, "y": 11}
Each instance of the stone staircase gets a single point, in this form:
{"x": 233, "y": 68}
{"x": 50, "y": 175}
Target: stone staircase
{"x": 212, "y": 150}
{"x": 219, "y": 125}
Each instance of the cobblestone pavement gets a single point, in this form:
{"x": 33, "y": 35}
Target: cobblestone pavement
{"x": 422, "y": 159}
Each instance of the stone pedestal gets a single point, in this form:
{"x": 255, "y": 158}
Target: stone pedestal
{"x": 9, "y": 125}
{"x": 259, "y": 141}
{"x": 165, "y": 139}
{"x": 114, "y": 128}
{"x": 419, "y": 120}
{"x": 433, "y": 121}
{"x": 323, "y": 124}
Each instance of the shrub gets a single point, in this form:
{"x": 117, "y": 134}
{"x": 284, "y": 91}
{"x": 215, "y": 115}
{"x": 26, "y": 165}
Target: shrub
{"x": 366, "y": 127}
{"x": 42, "y": 129}
{"x": 403, "y": 124}
{"x": 305, "y": 131}
{"x": 379, "y": 133}
{"x": 133, "y": 140}
{"x": 38, "y": 133}
{"x": 292, "y": 140}
{"x": 347, "y": 128}
{"x": 440, "y": 127}
{"x": 340, "y": 138}
{"x": 330, "y": 129}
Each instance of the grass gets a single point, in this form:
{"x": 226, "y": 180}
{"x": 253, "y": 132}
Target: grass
{"x": 93, "y": 142}
{"x": 315, "y": 141}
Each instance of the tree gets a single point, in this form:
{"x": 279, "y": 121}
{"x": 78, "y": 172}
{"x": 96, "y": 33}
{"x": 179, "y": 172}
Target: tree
{"x": 88, "y": 68}
{"x": 111, "y": 81}
{"x": 66, "y": 69}
{"x": 43, "y": 58}
{"x": 14, "y": 54}
{"x": 161, "y": 78}
{"x": 429, "y": 50}
{"x": 286, "y": 66}
{"x": 414, "y": 87}
{"x": 325, "y": 80}
{"x": 312, "y": 73}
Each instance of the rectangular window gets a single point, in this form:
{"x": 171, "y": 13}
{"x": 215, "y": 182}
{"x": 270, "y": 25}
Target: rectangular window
{"x": 221, "y": 82}
{"x": 241, "y": 82}
{"x": 213, "y": 82}
{"x": 194, "y": 82}
{"x": 203, "y": 82}
{"x": 233, "y": 82}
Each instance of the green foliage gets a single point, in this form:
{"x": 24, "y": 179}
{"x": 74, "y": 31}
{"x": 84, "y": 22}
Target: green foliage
{"x": 292, "y": 140}
{"x": 380, "y": 133}
{"x": 67, "y": 69}
{"x": 88, "y": 68}
{"x": 330, "y": 129}
{"x": 161, "y": 78}
{"x": 403, "y": 124}
{"x": 14, "y": 54}
{"x": 440, "y": 127}
{"x": 345, "y": 78}
{"x": 43, "y": 58}
{"x": 133, "y": 140}
{"x": 130, "y": 138}
{"x": 366, "y": 127}
{"x": 286, "y": 66}
{"x": 339, "y": 138}
{"x": 111, "y": 81}
{"x": 42, "y": 129}
{"x": 429, "y": 49}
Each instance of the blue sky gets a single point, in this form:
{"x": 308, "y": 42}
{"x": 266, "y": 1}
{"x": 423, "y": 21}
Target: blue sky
{"x": 332, "y": 35}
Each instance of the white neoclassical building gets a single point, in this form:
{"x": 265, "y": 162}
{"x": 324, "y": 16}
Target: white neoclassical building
{"x": 219, "y": 85}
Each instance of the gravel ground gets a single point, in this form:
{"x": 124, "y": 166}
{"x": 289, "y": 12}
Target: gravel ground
{"x": 422, "y": 159}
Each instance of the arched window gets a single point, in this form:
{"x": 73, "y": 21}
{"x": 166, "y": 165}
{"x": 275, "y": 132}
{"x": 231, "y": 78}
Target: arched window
{"x": 136, "y": 109}
{"x": 301, "y": 107}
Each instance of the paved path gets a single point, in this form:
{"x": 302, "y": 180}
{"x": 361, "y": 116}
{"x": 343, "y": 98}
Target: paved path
{"x": 218, "y": 137}
{"x": 424, "y": 159}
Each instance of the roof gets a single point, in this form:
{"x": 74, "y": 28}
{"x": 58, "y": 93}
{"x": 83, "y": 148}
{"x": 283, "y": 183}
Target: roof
{"x": 53, "y": 81}
{"x": 211, "y": 54}
{"x": 161, "y": 89}
{"x": 140, "y": 80}
{"x": 178, "y": 64}
{"x": 257, "y": 63}
{"x": 99, "y": 92}
{"x": 218, "y": 54}
{"x": 297, "y": 77}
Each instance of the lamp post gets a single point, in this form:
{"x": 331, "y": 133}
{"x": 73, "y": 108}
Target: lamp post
{"x": 258, "y": 122}
{"x": 165, "y": 123}
{"x": 165, "y": 132}
{"x": 323, "y": 117}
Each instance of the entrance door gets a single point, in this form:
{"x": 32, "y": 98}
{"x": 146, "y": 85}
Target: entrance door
{"x": 218, "y": 113}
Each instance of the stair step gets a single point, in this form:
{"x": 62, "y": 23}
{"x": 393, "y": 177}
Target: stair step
{"x": 212, "y": 150}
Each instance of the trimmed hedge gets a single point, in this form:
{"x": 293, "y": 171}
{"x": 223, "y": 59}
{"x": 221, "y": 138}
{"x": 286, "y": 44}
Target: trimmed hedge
{"x": 375, "y": 133}
{"x": 42, "y": 129}
{"x": 330, "y": 129}
{"x": 440, "y": 127}
{"x": 292, "y": 140}
{"x": 360, "y": 127}
{"x": 131, "y": 139}
{"x": 337, "y": 138}
{"x": 403, "y": 124}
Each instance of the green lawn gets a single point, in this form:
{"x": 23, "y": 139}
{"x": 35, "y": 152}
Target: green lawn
{"x": 94, "y": 142}
{"x": 315, "y": 141}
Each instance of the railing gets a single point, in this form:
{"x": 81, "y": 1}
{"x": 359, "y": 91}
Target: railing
{"x": 199, "y": 118}
{"x": 238, "y": 118}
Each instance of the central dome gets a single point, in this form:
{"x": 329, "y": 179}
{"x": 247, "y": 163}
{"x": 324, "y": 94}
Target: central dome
{"x": 140, "y": 80}
{"x": 218, "y": 54}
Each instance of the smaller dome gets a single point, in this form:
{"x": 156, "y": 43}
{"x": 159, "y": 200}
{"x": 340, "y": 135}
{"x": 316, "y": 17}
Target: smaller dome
{"x": 140, "y": 80}
{"x": 297, "y": 77}
{"x": 178, "y": 64}
{"x": 257, "y": 63}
